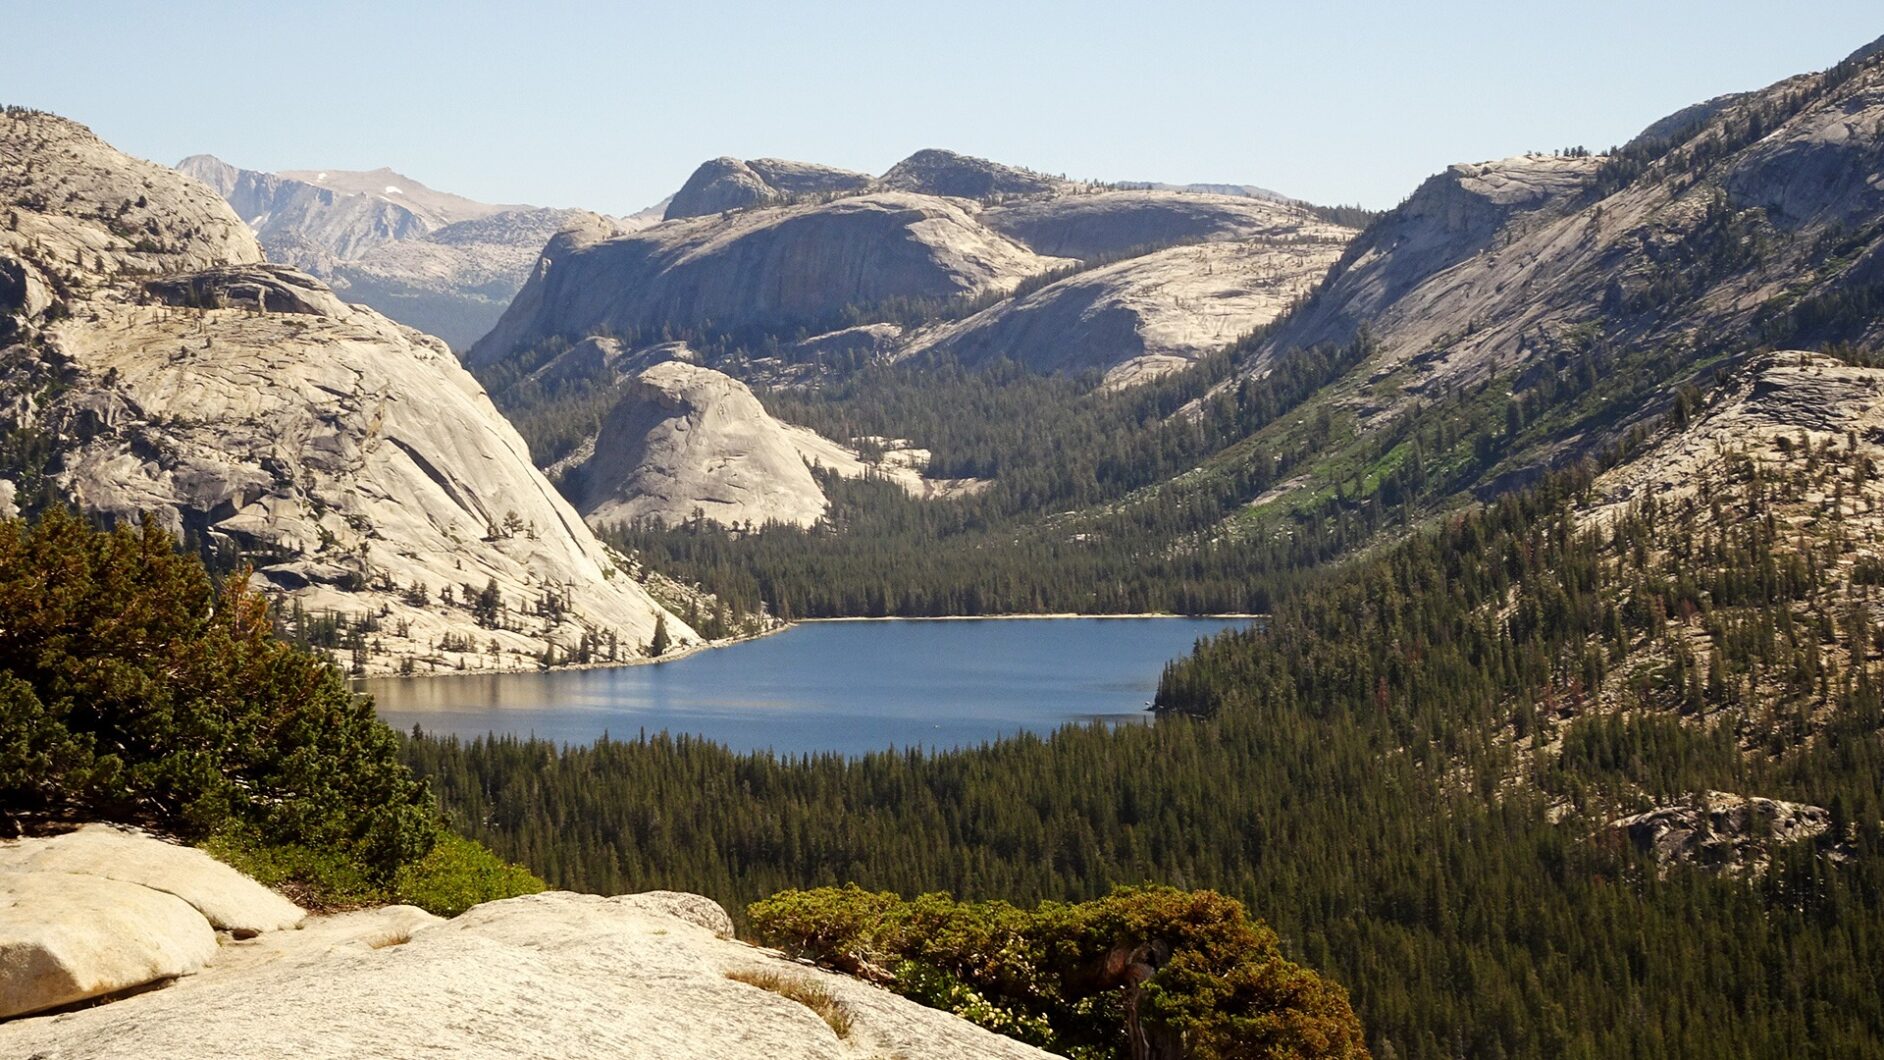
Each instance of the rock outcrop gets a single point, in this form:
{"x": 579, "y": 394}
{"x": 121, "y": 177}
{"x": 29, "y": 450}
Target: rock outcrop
{"x": 439, "y": 262}
{"x": 1138, "y": 318}
{"x": 1726, "y": 833}
{"x": 551, "y": 975}
{"x": 361, "y": 470}
{"x": 1773, "y": 407}
{"x": 228, "y": 900}
{"x": 687, "y": 441}
{"x": 776, "y": 268}
{"x": 67, "y": 938}
{"x": 732, "y": 184}
{"x": 104, "y": 910}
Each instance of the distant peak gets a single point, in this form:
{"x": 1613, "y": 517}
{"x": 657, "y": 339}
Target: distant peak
{"x": 1868, "y": 51}
{"x": 938, "y": 171}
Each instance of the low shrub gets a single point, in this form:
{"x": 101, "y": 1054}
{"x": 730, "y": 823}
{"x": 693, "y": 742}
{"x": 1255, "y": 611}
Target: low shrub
{"x": 1143, "y": 972}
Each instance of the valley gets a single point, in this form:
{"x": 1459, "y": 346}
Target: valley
{"x": 1553, "y": 725}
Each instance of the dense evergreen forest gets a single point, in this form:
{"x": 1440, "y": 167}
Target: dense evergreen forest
{"x": 1410, "y": 774}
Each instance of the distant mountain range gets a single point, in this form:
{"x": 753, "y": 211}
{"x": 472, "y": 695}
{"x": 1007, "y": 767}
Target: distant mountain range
{"x": 439, "y": 262}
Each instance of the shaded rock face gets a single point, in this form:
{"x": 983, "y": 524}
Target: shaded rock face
{"x": 733, "y": 184}
{"x": 1825, "y": 168}
{"x": 937, "y": 172}
{"x": 353, "y": 460}
{"x": 438, "y": 262}
{"x": 1107, "y": 224}
{"x": 686, "y": 439}
{"x": 103, "y": 910}
{"x": 550, "y": 975}
{"x": 262, "y": 288}
{"x": 1730, "y": 834}
{"x": 774, "y": 268}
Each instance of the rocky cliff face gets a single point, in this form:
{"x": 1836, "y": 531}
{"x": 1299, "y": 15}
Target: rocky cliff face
{"x": 349, "y": 458}
{"x": 774, "y": 268}
{"x": 653, "y": 975}
{"x": 1752, "y": 215}
{"x": 441, "y": 263}
{"x": 1138, "y": 318}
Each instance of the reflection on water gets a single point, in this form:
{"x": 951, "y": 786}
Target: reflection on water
{"x": 847, "y": 687}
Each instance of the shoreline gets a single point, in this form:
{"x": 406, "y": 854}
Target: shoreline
{"x": 358, "y": 683}
{"x": 1024, "y": 617}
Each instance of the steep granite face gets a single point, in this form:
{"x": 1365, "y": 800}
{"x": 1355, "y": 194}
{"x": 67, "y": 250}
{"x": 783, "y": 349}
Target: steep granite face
{"x": 1752, "y": 217}
{"x": 732, "y": 184}
{"x": 773, "y": 268}
{"x": 1138, "y": 318}
{"x": 1449, "y": 219}
{"x": 439, "y": 262}
{"x": 350, "y": 459}
{"x": 686, "y": 439}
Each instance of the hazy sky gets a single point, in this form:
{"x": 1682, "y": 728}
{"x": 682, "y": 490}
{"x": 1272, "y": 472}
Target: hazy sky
{"x": 610, "y": 106}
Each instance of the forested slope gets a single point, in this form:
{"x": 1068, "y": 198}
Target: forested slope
{"x": 1415, "y": 772}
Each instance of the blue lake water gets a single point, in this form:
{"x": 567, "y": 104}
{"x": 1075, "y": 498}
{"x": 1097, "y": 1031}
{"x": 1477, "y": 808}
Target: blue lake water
{"x": 848, "y": 687}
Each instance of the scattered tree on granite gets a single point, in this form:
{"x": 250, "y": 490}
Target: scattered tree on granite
{"x": 661, "y": 642}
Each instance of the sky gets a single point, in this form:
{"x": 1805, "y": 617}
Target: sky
{"x": 609, "y": 106}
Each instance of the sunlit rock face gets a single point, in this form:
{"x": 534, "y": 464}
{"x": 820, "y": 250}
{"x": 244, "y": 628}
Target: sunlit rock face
{"x": 355, "y": 464}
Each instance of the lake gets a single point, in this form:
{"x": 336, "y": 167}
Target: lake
{"x": 849, "y": 687}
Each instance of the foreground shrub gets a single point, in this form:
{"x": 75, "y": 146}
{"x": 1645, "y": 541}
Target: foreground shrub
{"x": 455, "y": 875}
{"x": 1150, "y": 972}
{"x": 459, "y": 873}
